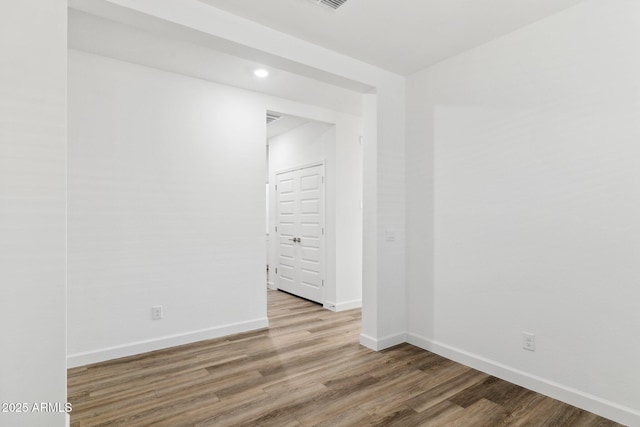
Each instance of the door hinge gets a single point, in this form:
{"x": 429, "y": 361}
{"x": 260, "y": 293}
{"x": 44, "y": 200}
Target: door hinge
{"x": 276, "y": 270}
{"x": 276, "y": 187}
{"x": 323, "y": 283}
{"x": 276, "y": 228}
{"x": 323, "y": 231}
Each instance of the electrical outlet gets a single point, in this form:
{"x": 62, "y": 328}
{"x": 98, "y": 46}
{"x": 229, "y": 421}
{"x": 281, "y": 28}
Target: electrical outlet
{"x": 156, "y": 312}
{"x": 528, "y": 341}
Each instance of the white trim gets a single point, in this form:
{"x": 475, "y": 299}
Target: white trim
{"x": 305, "y": 166}
{"x": 382, "y": 343}
{"x": 85, "y": 358}
{"x": 272, "y": 286}
{"x": 589, "y": 402}
{"x": 342, "y": 306}
{"x": 329, "y": 305}
{"x": 368, "y": 342}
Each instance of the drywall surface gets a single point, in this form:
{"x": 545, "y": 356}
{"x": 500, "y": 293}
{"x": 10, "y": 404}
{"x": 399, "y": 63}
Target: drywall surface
{"x": 166, "y": 208}
{"x": 524, "y": 165}
{"x": 384, "y": 305}
{"x": 348, "y": 213}
{"x": 338, "y": 147}
{"x": 33, "y": 95}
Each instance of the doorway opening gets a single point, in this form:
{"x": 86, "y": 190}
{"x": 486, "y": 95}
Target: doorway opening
{"x": 306, "y": 190}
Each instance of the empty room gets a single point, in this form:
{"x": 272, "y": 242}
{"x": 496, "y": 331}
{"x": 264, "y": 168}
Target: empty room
{"x": 319, "y": 212}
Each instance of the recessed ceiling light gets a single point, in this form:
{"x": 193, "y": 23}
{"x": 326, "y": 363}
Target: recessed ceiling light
{"x": 261, "y": 72}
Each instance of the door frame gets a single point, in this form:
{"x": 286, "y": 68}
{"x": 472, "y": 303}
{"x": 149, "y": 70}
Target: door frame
{"x": 323, "y": 250}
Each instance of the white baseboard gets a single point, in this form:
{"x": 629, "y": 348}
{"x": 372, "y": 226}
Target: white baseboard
{"x": 342, "y": 306}
{"x": 329, "y": 305}
{"x": 349, "y": 305}
{"x": 86, "y": 358}
{"x": 368, "y": 342}
{"x": 272, "y": 286}
{"x": 586, "y": 401}
{"x": 382, "y": 343}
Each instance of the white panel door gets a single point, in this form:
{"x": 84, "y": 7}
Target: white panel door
{"x": 300, "y": 233}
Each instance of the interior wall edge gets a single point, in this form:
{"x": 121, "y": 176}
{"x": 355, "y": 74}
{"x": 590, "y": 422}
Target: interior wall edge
{"x": 131, "y": 349}
{"x": 343, "y": 306}
{"x": 382, "y": 343}
{"x": 572, "y": 396}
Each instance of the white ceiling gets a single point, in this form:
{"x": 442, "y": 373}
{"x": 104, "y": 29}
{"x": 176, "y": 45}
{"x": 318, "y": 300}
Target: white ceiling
{"x": 284, "y": 124}
{"x": 403, "y": 36}
{"x": 181, "y": 51}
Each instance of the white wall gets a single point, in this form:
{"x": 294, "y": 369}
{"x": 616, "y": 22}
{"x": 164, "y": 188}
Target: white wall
{"x": 348, "y": 211}
{"x": 390, "y": 212}
{"x": 339, "y": 148}
{"x": 166, "y": 207}
{"x": 534, "y": 203}
{"x": 384, "y": 304}
{"x": 32, "y": 208}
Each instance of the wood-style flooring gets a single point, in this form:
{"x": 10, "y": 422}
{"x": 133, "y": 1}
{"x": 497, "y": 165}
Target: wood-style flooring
{"x": 307, "y": 369}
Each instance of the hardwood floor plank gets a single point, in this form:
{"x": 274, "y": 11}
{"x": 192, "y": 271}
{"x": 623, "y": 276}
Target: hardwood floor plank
{"x": 224, "y": 407}
{"x": 306, "y": 369}
{"x": 493, "y": 389}
{"x": 250, "y": 412}
{"x": 483, "y": 413}
{"x": 445, "y": 390}
{"x": 350, "y": 417}
{"x": 413, "y": 385}
{"x": 435, "y": 415}
{"x": 399, "y": 416}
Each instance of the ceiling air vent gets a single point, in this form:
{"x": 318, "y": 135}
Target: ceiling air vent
{"x": 333, "y": 4}
{"x": 271, "y": 117}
